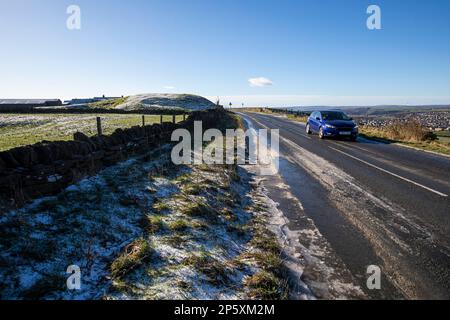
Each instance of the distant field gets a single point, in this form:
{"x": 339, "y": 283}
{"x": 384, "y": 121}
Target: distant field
{"x": 23, "y": 129}
{"x": 444, "y": 136}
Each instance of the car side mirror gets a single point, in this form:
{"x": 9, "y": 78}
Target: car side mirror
{"x": 318, "y": 119}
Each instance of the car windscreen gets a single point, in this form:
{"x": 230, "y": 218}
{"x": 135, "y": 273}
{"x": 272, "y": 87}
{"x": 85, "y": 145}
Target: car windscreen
{"x": 334, "y": 115}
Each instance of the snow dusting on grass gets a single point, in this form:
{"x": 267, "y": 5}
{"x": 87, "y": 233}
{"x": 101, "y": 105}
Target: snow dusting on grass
{"x": 145, "y": 229}
{"x": 23, "y": 129}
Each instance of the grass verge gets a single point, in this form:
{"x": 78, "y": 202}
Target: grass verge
{"x": 409, "y": 134}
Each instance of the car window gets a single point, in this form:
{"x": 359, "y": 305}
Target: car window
{"x": 334, "y": 115}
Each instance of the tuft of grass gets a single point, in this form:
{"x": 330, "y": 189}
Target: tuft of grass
{"x": 266, "y": 241}
{"x": 132, "y": 256}
{"x": 184, "y": 178}
{"x": 184, "y": 285}
{"x": 267, "y": 261}
{"x": 176, "y": 240}
{"x": 265, "y": 286}
{"x": 152, "y": 224}
{"x": 122, "y": 286}
{"x": 193, "y": 188}
{"x": 228, "y": 214}
{"x": 215, "y": 271}
{"x": 207, "y": 168}
{"x": 178, "y": 225}
{"x": 161, "y": 206}
{"x": 200, "y": 210}
{"x": 199, "y": 225}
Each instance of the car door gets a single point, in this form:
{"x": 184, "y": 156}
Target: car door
{"x": 312, "y": 118}
{"x": 314, "y": 122}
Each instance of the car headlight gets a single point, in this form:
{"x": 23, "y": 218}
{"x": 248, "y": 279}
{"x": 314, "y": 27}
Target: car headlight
{"x": 356, "y": 128}
{"x": 329, "y": 126}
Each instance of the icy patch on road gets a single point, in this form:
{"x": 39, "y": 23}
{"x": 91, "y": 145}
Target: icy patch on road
{"x": 297, "y": 255}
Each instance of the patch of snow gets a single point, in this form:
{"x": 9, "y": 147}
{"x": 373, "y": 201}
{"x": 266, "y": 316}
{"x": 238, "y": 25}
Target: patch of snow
{"x": 166, "y": 101}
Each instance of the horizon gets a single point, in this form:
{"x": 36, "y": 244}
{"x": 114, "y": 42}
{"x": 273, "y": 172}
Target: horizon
{"x": 295, "y": 53}
{"x": 240, "y": 106}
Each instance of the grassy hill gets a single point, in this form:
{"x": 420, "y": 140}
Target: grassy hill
{"x": 165, "y": 101}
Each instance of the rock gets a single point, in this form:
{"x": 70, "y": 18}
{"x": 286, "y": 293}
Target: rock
{"x": 64, "y": 150}
{"x": 80, "y": 136}
{"x": 9, "y": 160}
{"x": 82, "y": 148}
{"x": 43, "y": 153}
{"x": 2, "y": 165}
{"x": 99, "y": 142}
{"x": 24, "y": 155}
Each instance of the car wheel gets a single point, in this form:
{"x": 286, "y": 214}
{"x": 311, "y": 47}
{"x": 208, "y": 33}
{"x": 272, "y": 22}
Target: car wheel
{"x": 321, "y": 134}
{"x": 308, "y": 129}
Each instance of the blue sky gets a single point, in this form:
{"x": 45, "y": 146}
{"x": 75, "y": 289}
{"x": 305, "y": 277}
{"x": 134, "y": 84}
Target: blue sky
{"x": 313, "y": 52}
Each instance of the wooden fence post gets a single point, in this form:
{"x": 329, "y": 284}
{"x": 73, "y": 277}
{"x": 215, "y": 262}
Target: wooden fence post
{"x": 174, "y": 118}
{"x": 143, "y": 120}
{"x": 99, "y": 126}
{"x": 184, "y": 116}
{"x": 161, "y": 119}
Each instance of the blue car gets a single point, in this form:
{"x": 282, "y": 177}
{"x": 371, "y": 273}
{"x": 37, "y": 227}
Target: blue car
{"x": 331, "y": 124}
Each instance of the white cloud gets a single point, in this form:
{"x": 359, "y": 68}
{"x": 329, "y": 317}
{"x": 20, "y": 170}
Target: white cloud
{"x": 169, "y": 87}
{"x": 259, "y": 82}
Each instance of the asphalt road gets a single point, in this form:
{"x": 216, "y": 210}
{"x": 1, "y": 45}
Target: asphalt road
{"x": 376, "y": 204}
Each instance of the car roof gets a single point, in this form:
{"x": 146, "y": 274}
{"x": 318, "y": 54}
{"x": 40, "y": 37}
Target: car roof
{"x": 328, "y": 111}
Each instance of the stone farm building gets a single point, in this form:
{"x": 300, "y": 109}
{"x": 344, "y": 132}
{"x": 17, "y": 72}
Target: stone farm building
{"x": 11, "y": 105}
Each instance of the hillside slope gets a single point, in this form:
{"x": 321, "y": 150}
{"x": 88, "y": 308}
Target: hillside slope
{"x": 166, "y": 101}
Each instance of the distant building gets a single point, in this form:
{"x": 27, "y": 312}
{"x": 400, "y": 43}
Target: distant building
{"x": 11, "y": 105}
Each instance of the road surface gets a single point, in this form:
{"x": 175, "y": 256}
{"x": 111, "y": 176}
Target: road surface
{"x": 375, "y": 203}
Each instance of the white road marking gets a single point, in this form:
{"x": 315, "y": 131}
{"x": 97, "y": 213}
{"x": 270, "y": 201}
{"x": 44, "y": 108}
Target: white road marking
{"x": 391, "y": 173}
{"x": 391, "y": 162}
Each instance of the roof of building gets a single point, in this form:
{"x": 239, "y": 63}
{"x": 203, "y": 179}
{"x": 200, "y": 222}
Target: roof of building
{"x": 27, "y": 101}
